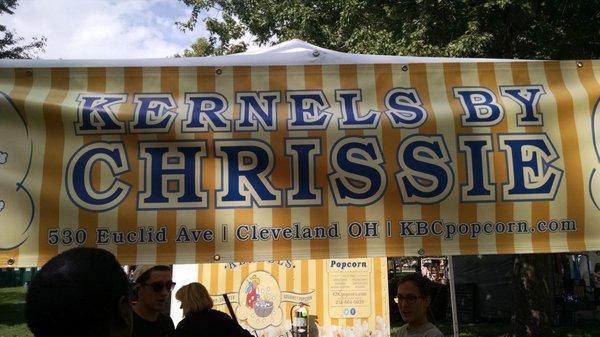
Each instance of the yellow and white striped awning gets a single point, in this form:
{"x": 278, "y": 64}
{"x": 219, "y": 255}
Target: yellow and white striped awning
{"x": 328, "y": 161}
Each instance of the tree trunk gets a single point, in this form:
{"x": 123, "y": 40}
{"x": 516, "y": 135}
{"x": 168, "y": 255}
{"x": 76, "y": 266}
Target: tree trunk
{"x": 533, "y": 304}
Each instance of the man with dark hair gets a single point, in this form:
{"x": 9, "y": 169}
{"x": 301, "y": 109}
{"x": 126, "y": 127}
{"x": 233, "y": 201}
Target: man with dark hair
{"x": 82, "y": 292}
{"x": 153, "y": 288}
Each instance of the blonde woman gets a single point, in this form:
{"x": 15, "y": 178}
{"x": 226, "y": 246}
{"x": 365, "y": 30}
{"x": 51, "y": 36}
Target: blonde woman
{"x": 200, "y": 319}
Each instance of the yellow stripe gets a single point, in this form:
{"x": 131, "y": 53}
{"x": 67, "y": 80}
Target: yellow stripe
{"x": 22, "y": 86}
{"x": 166, "y": 253}
{"x": 394, "y": 245}
{"x": 128, "y": 218}
{"x": 313, "y": 78}
{"x": 282, "y": 217}
{"x": 466, "y": 211}
{"x": 320, "y": 290}
{"x": 205, "y": 218}
{"x": 357, "y": 247}
{"x": 418, "y": 79}
{"x": 540, "y": 210}
{"x": 289, "y": 282}
{"x": 55, "y": 139}
{"x": 96, "y": 83}
{"x": 378, "y": 276}
{"x": 244, "y": 250}
{"x": 505, "y": 243}
{"x": 214, "y": 278}
{"x": 570, "y": 144}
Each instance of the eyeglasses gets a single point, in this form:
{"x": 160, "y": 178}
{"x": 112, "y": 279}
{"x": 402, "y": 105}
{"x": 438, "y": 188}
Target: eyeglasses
{"x": 408, "y": 299}
{"x": 159, "y": 286}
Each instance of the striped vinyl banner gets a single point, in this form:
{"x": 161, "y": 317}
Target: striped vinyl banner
{"x": 200, "y": 164}
{"x": 345, "y": 294}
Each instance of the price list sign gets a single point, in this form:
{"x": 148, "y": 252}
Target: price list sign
{"x": 349, "y": 288}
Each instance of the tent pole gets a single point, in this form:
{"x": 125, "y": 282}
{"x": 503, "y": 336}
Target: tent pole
{"x": 452, "y": 296}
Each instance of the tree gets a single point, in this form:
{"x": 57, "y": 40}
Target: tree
{"x": 10, "y": 47}
{"x": 555, "y": 29}
{"x": 206, "y": 47}
{"x": 533, "y": 295}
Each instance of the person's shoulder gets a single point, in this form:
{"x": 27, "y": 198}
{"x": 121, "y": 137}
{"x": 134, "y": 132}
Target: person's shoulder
{"x": 217, "y": 313}
{"x": 433, "y": 331}
{"x": 166, "y": 321}
{"x": 402, "y": 331}
{"x": 207, "y": 315}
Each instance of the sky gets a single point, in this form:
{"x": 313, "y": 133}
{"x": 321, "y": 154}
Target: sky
{"x": 104, "y": 29}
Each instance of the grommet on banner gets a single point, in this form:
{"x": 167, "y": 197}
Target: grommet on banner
{"x": 217, "y": 257}
{"x": 404, "y": 67}
{"x": 10, "y": 262}
{"x": 579, "y": 64}
{"x": 219, "y": 71}
{"x": 28, "y": 72}
{"x": 421, "y": 251}
{"x": 316, "y": 53}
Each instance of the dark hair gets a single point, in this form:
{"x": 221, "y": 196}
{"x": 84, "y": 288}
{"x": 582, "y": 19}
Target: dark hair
{"x": 146, "y": 275}
{"x": 76, "y": 293}
{"x": 419, "y": 281}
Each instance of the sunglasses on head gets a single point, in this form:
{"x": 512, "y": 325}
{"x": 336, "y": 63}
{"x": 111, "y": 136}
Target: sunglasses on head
{"x": 159, "y": 286}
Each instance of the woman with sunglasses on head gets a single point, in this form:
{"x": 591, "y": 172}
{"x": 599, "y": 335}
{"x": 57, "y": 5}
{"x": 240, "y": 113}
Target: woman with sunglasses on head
{"x": 414, "y": 298}
{"x": 153, "y": 285}
{"x": 200, "y": 319}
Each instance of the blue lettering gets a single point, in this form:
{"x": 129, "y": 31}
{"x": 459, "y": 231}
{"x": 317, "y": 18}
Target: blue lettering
{"x": 246, "y": 167}
{"x": 358, "y": 176}
{"x": 154, "y": 113}
{"x": 527, "y": 97}
{"x": 425, "y": 175}
{"x": 172, "y": 175}
{"x": 95, "y": 114}
{"x": 257, "y": 108}
{"x": 349, "y": 105}
{"x": 480, "y": 106}
{"x": 303, "y": 152}
{"x": 205, "y": 113}
{"x": 478, "y": 151}
{"x": 79, "y": 176}
{"x": 530, "y": 173}
{"x": 405, "y": 109}
{"x": 307, "y": 110}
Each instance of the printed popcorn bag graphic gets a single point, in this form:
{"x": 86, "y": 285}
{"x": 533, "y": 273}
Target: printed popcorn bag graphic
{"x": 16, "y": 204}
{"x": 262, "y": 301}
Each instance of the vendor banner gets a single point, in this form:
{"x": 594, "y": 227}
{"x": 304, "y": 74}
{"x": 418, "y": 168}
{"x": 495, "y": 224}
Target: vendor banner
{"x": 344, "y": 297}
{"x": 202, "y": 164}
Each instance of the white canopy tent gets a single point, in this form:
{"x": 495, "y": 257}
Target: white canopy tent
{"x": 293, "y": 52}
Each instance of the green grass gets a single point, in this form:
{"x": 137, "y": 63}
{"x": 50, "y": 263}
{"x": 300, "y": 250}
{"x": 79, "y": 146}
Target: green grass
{"x": 12, "y": 313}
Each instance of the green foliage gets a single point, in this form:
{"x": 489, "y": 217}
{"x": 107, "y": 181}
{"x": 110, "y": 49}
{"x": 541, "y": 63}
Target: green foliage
{"x": 557, "y": 29}
{"x": 10, "y": 47}
{"x": 12, "y": 313}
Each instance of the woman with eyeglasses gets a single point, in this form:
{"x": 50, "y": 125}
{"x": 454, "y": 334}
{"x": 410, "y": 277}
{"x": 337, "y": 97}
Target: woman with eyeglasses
{"x": 414, "y": 298}
{"x": 200, "y": 319}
